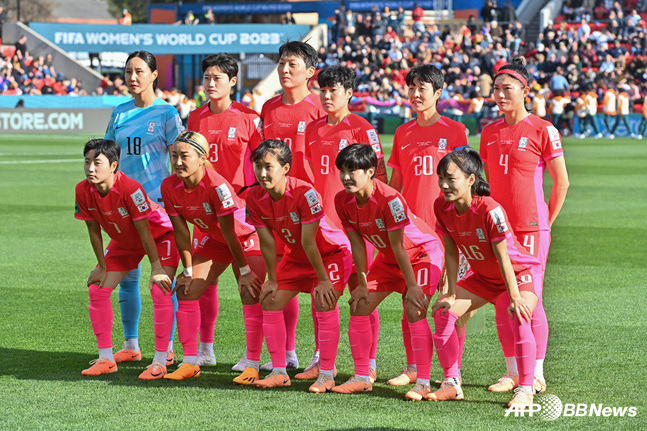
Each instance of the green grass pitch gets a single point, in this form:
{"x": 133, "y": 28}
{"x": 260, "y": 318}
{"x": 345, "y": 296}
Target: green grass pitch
{"x": 594, "y": 297}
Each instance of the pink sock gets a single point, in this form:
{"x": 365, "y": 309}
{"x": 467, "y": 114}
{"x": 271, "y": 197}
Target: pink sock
{"x": 406, "y": 338}
{"x": 315, "y": 323}
{"x": 502, "y": 326}
{"x": 253, "y": 314}
{"x": 208, "y": 313}
{"x": 540, "y": 329}
{"x": 101, "y": 315}
{"x": 162, "y": 318}
{"x": 460, "y": 333}
{"x": 446, "y": 342}
{"x": 328, "y": 338}
{"x": 275, "y": 334}
{"x": 423, "y": 347}
{"x": 375, "y": 329}
{"x": 525, "y": 349}
{"x": 188, "y": 322}
{"x": 360, "y": 338}
{"x": 291, "y": 316}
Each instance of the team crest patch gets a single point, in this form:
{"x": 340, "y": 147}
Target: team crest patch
{"x": 523, "y": 143}
{"x": 372, "y": 136}
{"x": 442, "y": 144}
{"x": 138, "y": 197}
{"x": 228, "y": 203}
{"x": 151, "y": 127}
{"x": 301, "y": 127}
{"x": 480, "y": 234}
{"x": 143, "y": 207}
{"x": 232, "y": 133}
{"x": 379, "y": 223}
{"x": 315, "y": 209}
{"x": 195, "y": 242}
{"x": 295, "y": 217}
{"x": 122, "y": 211}
{"x": 311, "y": 197}
{"x": 207, "y": 208}
{"x": 223, "y": 192}
{"x": 343, "y": 143}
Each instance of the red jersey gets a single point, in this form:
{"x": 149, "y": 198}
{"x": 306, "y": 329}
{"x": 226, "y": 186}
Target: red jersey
{"x": 288, "y": 123}
{"x": 386, "y": 211}
{"x": 125, "y": 203}
{"x": 416, "y": 153}
{"x": 213, "y": 197}
{"x": 324, "y": 142}
{"x": 516, "y": 158}
{"x": 474, "y": 232}
{"x": 300, "y": 204}
{"x": 232, "y": 135}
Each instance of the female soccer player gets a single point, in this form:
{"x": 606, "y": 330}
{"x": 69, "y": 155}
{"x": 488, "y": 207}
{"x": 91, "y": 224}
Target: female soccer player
{"x": 516, "y": 151}
{"x": 500, "y": 270}
{"x": 317, "y": 259}
{"x": 409, "y": 262}
{"x": 203, "y": 197}
{"x": 144, "y": 128}
{"x": 111, "y": 201}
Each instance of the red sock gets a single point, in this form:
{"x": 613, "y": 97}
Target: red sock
{"x": 360, "y": 338}
{"x": 101, "y": 315}
{"x": 525, "y": 349}
{"x": 253, "y": 314}
{"x": 502, "y": 327}
{"x": 375, "y": 329}
{"x": 208, "y": 313}
{"x": 446, "y": 342}
{"x": 291, "y": 316}
{"x": 328, "y": 338}
{"x": 540, "y": 329}
{"x": 423, "y": 347}
{"x": 460, "y": 333}
{"x": 406, "y": 338}
{"x": 274, "y": 331}
{"x": 162, "y": 317}
{"x": 315, "y": 323}
{"x": 188, "y": 322}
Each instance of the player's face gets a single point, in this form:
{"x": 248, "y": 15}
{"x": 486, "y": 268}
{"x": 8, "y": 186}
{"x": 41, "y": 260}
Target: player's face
{"x": 454, "y": 184}
{"x": 293, "y": 71}
{"x": 335, "y": 98}
{"x": 269, "y": 172}
{"x": 356, "y": 180}
{"x": 509, "y": 94}
{"x": 217, "y": 83}
{"x": 422, "y": 95}
{"x": 185, "y": 160}
{"x": 138, "y": 76}
{"x": 98, "y": 168}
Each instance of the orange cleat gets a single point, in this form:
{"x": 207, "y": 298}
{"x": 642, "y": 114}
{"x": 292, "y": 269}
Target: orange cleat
{"x": 353, "y": 385}
{"x": 448, "y": 391}
{"x": 506, "y": 383}
{"x": 407, "y": 376}
{"x": 418, "y": 393}
{"x": 248, "y": 377}
{"x": 539, "y": 386}
{"x": 521, "y": 398}
{"x": 170, "y": 358}
{"x": 323, "y": 384}
{"x": 100, "y": 366}
{"x": 154, "y": 371}
{"x": 128, "y": 355}
{"x": 184, "y": 371}
{"x": 275, "y": 379}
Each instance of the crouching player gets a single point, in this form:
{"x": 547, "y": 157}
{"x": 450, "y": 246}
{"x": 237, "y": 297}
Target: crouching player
{"x": 317, "y": 259}
{"x": 469, "y": 219}
{"x": 201, "y": 196}
{"x": 137, "y": 226}
{"x": 409, "y": 262}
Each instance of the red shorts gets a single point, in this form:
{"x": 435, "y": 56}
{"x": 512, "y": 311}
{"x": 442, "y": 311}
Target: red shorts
{"x": 206, "y": 246}
{"x": 387, "y": 277}
{"x": 302, "y": 277}
{"x": 123, "y": 259}
{"x": 537, "y": 243}
{"x": 370, "y": 256}
{"x": 474, "y": 283}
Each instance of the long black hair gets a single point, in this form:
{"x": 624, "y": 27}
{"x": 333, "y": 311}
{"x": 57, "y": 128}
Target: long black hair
{"x": 470, "y": 163}
{"x": 149, "y": 59}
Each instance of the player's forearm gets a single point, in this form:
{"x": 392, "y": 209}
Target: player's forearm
{"x": 405, "y": 265}
{"x": 451, "y": 266}
{"x": 148, "y": 242}
{"x": 96, "y": 240}
{"x": 505, "y": 266}
{"x": 235, "y": 247}
{"x": 380, "y": 172}
{"x": 268, "y": 251}
{"x": 557, "y": 198}
{"x": 314, "y": 256}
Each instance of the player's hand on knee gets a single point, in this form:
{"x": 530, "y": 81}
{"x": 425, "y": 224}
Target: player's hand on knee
{"x": 324, "y": 293}
{"x": 358, "y": 295}
{"x": 268, "y": 289}
{"x": 250, "y": 283}
{"x": 97, "y": 276}
{"x": 160, "y": 278}
{"x": 444, "y": 302}
{"x": 519, "y": 307}
{"x": 416, "y": 297}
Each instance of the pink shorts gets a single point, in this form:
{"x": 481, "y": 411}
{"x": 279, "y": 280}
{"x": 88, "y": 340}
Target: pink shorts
{"x": 123, "y": 259}
{"x": 206, "y": 246}
{"x": 474, "y": 283}
{"x": 387, "y": 277}
{"x": 302, "y": 277}
{"x": 537, "y": 243}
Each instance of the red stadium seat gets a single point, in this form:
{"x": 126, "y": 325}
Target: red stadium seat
{"x": 8, "y": 50}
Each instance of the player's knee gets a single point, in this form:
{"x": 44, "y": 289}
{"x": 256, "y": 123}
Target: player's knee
{"x": 97, "y": 294}
{"x": 414, "y": 313}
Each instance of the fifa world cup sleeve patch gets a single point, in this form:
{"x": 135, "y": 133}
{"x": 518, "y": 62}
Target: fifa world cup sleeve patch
{"x": 223, "y": 192}
{"x": 397, "y": 210}
{"x": 555, "y": 139}
{"x": 499, "y": 219}
{"x": 311, "y": 197}
{"x": 138, "y": 197}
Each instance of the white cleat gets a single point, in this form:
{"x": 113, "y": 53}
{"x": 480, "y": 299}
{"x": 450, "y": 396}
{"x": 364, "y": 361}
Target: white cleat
{"x": 240, "y": 366}
{"x": 205, "y": 359}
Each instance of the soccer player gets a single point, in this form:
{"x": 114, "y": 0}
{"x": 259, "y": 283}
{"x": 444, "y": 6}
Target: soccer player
{"x": 516, "y": 151}
{"x": 325, "y": 137}
{"x": 137, "y": 226}
{"x": 144, "y": 128}
{"x": 418, "y": 145}
{"x": 285, "y": 118}
{"x": 203, "y": 197}
{"x": 232, "y": 131}
{"x": 500, "y": 271}
{"x": 409, "y": 262}
{"x": 317, "y": 259}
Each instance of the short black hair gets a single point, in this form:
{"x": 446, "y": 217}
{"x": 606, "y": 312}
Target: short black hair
{"x": 337, "y": 74}
{"x": 280, "y": 149}
{"x": 356, "y": 156}
{"x": 518, "y": 65}
{"x": 149, "y": 59}
{"x": 299, "y": 49}
{"x": 107, "y": 147}
{"x": 226, "y": 63}
{"x": 469, "y": 162}
{"x": 427, "y": 73}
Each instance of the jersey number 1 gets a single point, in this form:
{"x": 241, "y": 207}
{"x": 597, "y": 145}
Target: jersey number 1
{"x": 135, "y": 147}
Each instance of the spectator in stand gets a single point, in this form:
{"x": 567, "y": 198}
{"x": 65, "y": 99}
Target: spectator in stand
{"x": 126, "y": 18}
{"x": 418, "y": 14}
{"x": 558, "y": 82}
{"x": 209, "y": 17}
{"x": 379, "y": 25}
{"x": 584, "y": 31}
{"x": 489, "y": 12}
{"x": 190, "y": 19}
{"x": 509, "y": 13}
{"x": 21, "y": 47}
{"x": 288, "y": 18}
{"x": 200, "y": 96}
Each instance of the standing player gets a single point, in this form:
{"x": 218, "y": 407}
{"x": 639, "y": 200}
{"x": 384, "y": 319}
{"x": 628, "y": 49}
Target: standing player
{"x": 610, "y": 109}
{"x": 285, "y": 118}
{"x": 501, "y": 271}
{"x": 232, "y": 131}
{"x": 640, "y": 130}
{"x": 516, "y": 151}
{"x": 417, "y": 147}
{"x": 409, "y": 262}
{"x": 317, "y": 260}
{"x": 111, "y": 201}
{"x": 203, "y": 197}
{"x": 144, "y": 128}
{"x": 325, "y": 138}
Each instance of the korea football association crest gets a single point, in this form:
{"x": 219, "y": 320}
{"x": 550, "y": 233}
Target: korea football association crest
{"x": 232, "y": 133}
{"x": 343, "y": 143}
{"x": 301, "y": 127}
{"x": 122, "y": 211}
{"x": 379, "y": 223}
{"x": 442, "y": 144}
{"x": 207, "y": 208}
{"x": 480, "y": 234}
{"x": 151, "y": 127}
{"x": 523, "y": 143}
{"x": 295, "y": 217}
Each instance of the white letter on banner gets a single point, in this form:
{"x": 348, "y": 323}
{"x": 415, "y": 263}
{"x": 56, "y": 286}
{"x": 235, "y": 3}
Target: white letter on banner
{"x": 200, "y": 39}
{"x": 148, "y": 39}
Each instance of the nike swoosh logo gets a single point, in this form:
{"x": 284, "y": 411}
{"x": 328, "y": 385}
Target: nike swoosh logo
{"x": 111, "y": 367}
{"x": 490, "y": 143}
{"x": 119, "y": 127}
{"x": 405, "y": 146}
{"x": 266, "y": 125}
{"x": 156, "y": 375}
{"x": 266, "y": 218}
{"x": 177, "y": 206}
